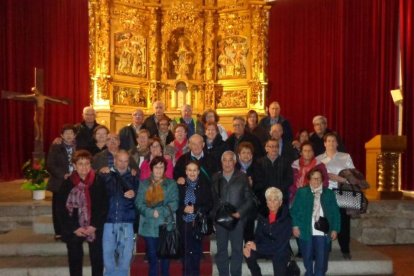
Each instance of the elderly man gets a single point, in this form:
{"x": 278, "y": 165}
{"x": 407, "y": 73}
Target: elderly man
{"x": 320, "y": 125}
{"x": 128, "y": 134}
{"x": 275, "y": 117}
{"x": 272, "y": 170}
{"x": 285, "y": 149}
{"x": 84, "y": 130}
{"x": 151, "y": 123}
{"x": 241, "y": 135}
{"x": 193, "y": 125}
{"x": 207, "y": 164}
{"x": 118, "y": 233}
{"x": 231, "y": 186}
{"x": 103, "y": 162}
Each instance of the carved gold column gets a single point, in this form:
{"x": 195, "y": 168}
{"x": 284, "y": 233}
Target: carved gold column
{"x": 153, "y": 57}
{"x": 209, "y": 67}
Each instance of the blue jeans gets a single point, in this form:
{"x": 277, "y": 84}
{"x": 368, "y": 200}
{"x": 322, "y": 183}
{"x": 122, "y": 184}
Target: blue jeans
{"x": 118, "y": 247}
{"x": 317, "y": 248}
{"x": 151, "y": 244}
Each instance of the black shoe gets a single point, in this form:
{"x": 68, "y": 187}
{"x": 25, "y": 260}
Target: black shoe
{"x": 347, "y": 256}
{"x": 299, "y": 255}
{"x": 58, "y": 237}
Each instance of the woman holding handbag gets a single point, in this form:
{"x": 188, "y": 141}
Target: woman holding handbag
{"x": 315, "y": 221}
{"x": 335, "y": 162}
{"x": 195, "y": 199}
{"x": 157, "y": 198}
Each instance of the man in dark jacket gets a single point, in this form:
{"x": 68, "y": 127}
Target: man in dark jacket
{"x": 84, "y": 130}
{"x": 274, "y": 118}
{"x": 240, "y": 135}
{"x": 272, "y": 170}
{"x": 320, "y": 125}
{"x": 118, "y": 232}
{"x": 151, "y": 122}
{"x": 231, "y": 186}
{"x": 128, "y": 134}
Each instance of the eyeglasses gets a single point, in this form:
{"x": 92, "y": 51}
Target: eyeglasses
{"x": 138, "y": 115}
{"x": 316, "y": 178}
{"x": 155, "y": 145}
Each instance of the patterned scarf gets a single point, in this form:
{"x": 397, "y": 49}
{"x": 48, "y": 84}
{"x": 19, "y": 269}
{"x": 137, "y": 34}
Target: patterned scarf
{"x": 79, "y": 198}
{"x": 316, "y": 202}
{"x": 303, "y": 171}
{"x": 70, "y": 149}
{"x": 155, "y": 193}
{"x": 179, "y": 147}
{"x": 190, "y": 198}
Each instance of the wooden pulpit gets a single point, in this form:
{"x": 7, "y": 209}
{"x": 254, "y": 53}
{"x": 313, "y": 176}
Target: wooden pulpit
{"x": 382, "y": 166}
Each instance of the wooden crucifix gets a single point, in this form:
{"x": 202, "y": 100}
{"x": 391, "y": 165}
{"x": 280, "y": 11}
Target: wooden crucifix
{"x": 39, "y": 99}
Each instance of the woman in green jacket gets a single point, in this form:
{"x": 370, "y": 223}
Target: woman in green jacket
{"x": 157, "y": 198}
{"x": 312, "y": 204}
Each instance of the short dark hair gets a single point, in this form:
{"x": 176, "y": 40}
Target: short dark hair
{"x": 330, "y": 134}
{"x": 81, "y": 154}
{"x": 68, "y": 127}
{"x": 98, "y": 127}
{"x": 180, "y": 125}
{"x": 245, "y": 145}
{"x": 212, "y": 124}
{"x": 194, "y": 162}
{"x": 306, "y": 143}
{"x": 158, "y": 140}
{"x": 163, "y": 118}
{"x": 312, "y": 171}
{"x": 216, "y": 116}
{"x": 250, "y": 112}
{"x": 157, "y": 160}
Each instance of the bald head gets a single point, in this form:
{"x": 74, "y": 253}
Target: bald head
{"x": 196, "y": 144}
{"x": 159, "y": 108}
{"x": 274, "y": 109}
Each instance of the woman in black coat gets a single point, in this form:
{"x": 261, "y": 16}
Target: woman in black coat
{"x": 81, "y": 210}
{"x": 194, "y": 197}
{"x": 213, "y": 142}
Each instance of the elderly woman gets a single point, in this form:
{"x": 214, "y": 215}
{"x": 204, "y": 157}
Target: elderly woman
{"x": 302, "y": 166}
{"x": 252, "y": 126}
{"x": 100, "y": 133}
{"x": 180, "y": 143}
{"x": 213, "y": 142}
{"x": 335, "y": 162}
{"x": 155, "y": 149}
{"x": 82, "y": 208}
{"x": 211, "y": 116}
{"x": 194, "y": 197}
{"x": 157, "y": 197}
{"x": 313, "y": 203}
{"x": 274, "y": 228}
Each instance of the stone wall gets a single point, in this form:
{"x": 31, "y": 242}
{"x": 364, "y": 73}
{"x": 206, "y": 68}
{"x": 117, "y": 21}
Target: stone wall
{"x": 386, "y": 222}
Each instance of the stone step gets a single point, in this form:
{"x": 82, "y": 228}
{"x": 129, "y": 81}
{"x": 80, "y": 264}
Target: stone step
{"x": 38, "y": 266}
{"x": 43, "y": 225}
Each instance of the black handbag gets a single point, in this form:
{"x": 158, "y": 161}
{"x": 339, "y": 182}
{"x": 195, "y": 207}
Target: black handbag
{"x": 322, "y": 225}
{"x": 224, "y": 213}
{"x": 169, "y": 244}
{"x": 292, "y": 268}
{"x": 203, "y": 226}
{"x": 353, "y": 199}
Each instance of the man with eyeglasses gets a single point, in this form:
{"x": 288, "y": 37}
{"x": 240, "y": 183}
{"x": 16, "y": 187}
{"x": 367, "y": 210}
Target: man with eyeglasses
{"x": 272, "y": 170}
{"x": 128, "y": 134}
{"x": 240, "y": 135}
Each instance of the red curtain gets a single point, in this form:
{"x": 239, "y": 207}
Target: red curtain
{"x": 49, "y": 34}
{"x": 337, "y": 58}
{"x": 407, "y": 57}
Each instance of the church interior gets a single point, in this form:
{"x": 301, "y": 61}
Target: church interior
{"x": 336, "y": 58}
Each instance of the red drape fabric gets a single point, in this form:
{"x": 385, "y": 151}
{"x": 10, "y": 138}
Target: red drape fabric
{"x": 49, "y": 34}
{"x": 337, "y": 58}
{"x": 407, "y": 57}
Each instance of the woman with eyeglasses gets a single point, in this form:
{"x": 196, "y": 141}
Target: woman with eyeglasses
{"x": 155, "y": 149}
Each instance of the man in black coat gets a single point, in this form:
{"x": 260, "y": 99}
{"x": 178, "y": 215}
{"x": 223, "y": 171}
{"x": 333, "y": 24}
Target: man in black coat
{"x": 128, "y": 134}
{"x": 151, "y": 122}
{"x": 274, "y": 118}
{"x": 207, "y": 164}
{"x": 240, "y": 135}
{"x": 84, "y": 130}
{"x": 320, "y": 125}
{"x": 272, "y": 170}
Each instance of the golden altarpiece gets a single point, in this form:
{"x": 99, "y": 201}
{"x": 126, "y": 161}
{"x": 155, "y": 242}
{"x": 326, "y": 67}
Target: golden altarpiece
{"x": 206, "y": 53}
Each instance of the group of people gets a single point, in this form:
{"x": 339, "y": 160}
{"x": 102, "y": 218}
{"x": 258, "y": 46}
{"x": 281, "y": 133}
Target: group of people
{"x": 107, "y": 187}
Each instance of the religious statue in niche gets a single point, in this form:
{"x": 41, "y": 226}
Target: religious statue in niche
{"x": 232, "y": 57}
{"x": 129, "y": 96}
{"x": 130, "y": 55}
{"x": 180, "y": 56}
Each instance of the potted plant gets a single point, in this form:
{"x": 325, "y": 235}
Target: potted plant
{"x": 35, "y": 175}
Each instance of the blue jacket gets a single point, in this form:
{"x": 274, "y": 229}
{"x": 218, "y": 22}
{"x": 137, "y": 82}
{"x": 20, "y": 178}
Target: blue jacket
{"x": 120, "y": 208}
{"x": 273, "y": 238}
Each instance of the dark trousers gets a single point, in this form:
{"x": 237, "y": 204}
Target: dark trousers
{"x": 235, "y": 236}
{"x": 152, "y": 244}
{"x": 56, "y": 224}
{"x": 317, "y": 248}
{"x": 344, "y": 236}
{"x": 75, "y": 256}
{"x": 248, "y": 234}
{"x": 192, "y": 251}
{"x": 279, "y": 263}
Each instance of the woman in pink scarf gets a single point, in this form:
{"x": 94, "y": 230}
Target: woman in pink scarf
{"x": 302, "y": 166}
{"x": 82, "y": 208}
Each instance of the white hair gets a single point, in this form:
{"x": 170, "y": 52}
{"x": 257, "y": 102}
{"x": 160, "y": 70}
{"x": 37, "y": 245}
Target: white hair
{"x": 231, "y": 153}
{"x": 319, "y": 118}
{"x": 87, "y": 108}
{"x": 274, "y": 193}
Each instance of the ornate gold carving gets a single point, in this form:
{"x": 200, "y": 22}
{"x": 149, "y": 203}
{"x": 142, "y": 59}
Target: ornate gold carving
{"x": 131, "y": 19}
{"x": 232, "y": 58}
{"x": 387, "y": 164}
{"x": 130, "y": 55}
{"x": 129, "y": 96}
{"x": 255, "y": 91}
{"x": 233, "y": 99}
{"x": 231, "y": 24}
{"x": 102, "y": 84}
